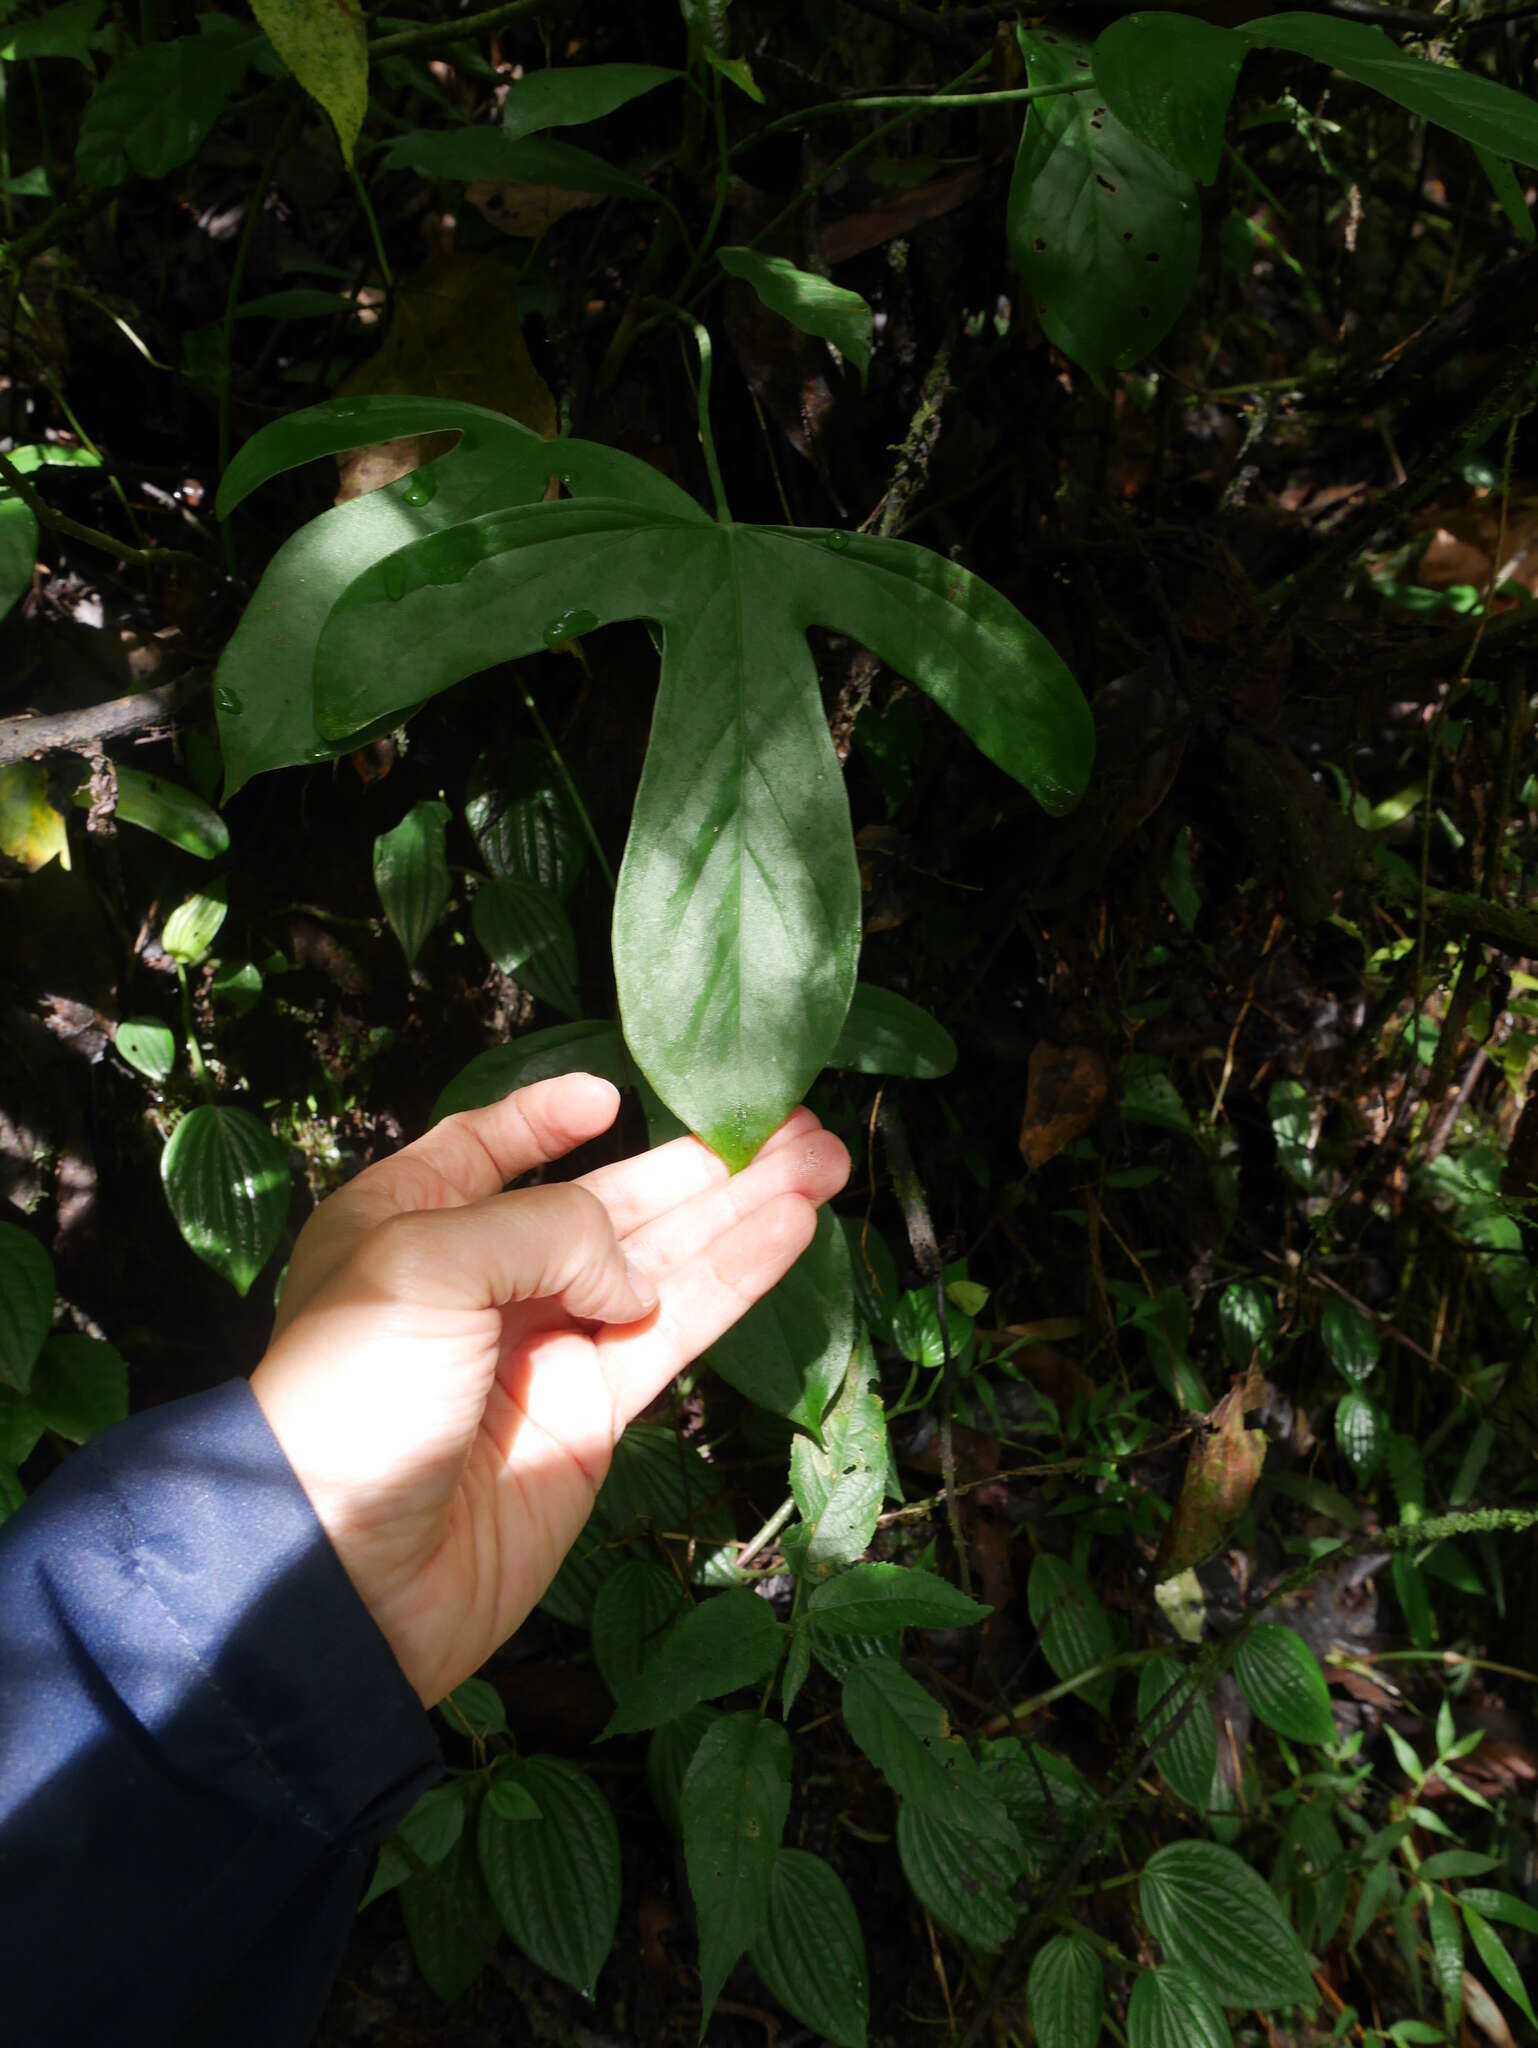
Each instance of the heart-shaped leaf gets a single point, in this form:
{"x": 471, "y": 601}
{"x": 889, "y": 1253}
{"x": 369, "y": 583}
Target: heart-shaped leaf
{"x": 734, "y": 1803}
{"x": 1170, "y": 79}
{"x": 966, "y": 1883}
{"x": 226, "y": 1179}
{"x": 1103, "y": 229}
{"x": 148, "y": 1046}
{"x": 811, "y": 1953}
{"x": 26, "y": 1304}
{"x": 790, "y": 1352}
{"x": 526, "y": 932}
{"x": 1213, "y": 1912}
{"x": 556, "y": 1881}
{"x": 411, "y": 873}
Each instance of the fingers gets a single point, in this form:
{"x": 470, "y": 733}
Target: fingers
{"x": 635, "y": 1191}
{"x": 539, "y": 1244}
{"x": 810, "y": 1162}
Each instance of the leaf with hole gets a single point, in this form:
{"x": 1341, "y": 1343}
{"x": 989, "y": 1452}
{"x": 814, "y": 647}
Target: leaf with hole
{"x": 1210, "y": 1910}
{"x": 324, "y": 43}
{"x": 735, "y": 1799}
{"x": 811, "y": 1954}
{"x": 1074, "y": 1629}
{"x": 1173, "y": 2007}
{"x": 147, "y": 1045}
{"x": 967, "y": 1883}
{"x": 411, "y": 873}
{"x": 528, "y": 935}
{"x": 1104, "y": 230}
{"x": 791, "y": 1350}
{"x": 26, "y": 1304}
{"x": 569, "y": 96}
{"x": 813, "y": 303}
{"x": 1066, "y": 1993}
{"x": 1170, "y": 80}
{"x": 884, "y": 1033}
{"x": 226, "y": 1179}
{"x": 880, "y": 1599}
{"x": 556, "y": 1881}
{"x": 1280, "y": 1678}
{"x": 1187, "y": 1760}
{"x": 730, "y": 1641}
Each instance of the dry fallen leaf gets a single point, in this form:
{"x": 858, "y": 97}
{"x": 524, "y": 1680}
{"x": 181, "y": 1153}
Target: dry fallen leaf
{"x": 526, "y": 211}
{"x": 1221, "y": 1474}
{"x": 1065, "y": 1092}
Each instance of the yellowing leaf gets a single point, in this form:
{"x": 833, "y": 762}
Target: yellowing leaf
{"x": 1221, "y": 1474}
{"x": 325, "y": 45}
{"x": 31, "y": 830}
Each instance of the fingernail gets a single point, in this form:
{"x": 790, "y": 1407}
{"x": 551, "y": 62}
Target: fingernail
{"x": 642, "y": 1285}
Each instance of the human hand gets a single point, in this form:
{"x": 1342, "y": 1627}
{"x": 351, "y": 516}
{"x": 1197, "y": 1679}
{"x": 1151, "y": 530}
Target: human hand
{"x": 452, "y": 1365}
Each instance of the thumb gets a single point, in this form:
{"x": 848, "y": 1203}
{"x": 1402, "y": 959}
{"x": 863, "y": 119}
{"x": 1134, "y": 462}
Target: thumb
{"x": 550, "y": 1243}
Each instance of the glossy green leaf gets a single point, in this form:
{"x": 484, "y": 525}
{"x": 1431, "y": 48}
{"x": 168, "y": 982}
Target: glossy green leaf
{"x": 1507, "y": 187}
{"x": 411, "y": 873}
{"x": 522, "y": 819}
{"x": 735, "y": 1799}
{"x": 61, "y": 32}
{"x": 154, "y": 108}
{"x": 737, "y": 920}
{"x": 737, "y": 69}
{"x": 668, "y": 1757}
{"x": 1246, "y": 1323}
{"x": 813, "y": 303}
{"x": 18, "y": 550}
{"x": 631, "y": 1614}
{"x": 324, "y": 43}
{"x": 1066, "y": 1993}
{"x": 1350, "y": 1339}
{"x": 1104, "y": 231}
{"x": 1446, "y": 1931}
{"x": 1210, "y": 1910}
{"x": 1073, "y": 1626}
{"x": 811, "y": 1954}
{"x": 585, "y": 1048}
{"x": 879, "y": 1599}
{"x": 451, "y": 1920}
{"x": 556, "y": 1881}
{"x": 1292, "y": 1125}
{"x": 147, "y": 1045}
{"x": 573, "y": 95}
{"x": 1188, "y": 1759}
{"x": 1173, "y": 2007}
{"x": 1496, "y": 1957}
{"x": 239, "y": 984}
{"x": 194, "y": 925}
{"x": 838, "y": 1485}
{"x": 726, "y": 1642}
{"x": 26, "y": 1304}
{"x": 1280, "y": 1678}
{"x": 1494, "y": 1905}
{"x": 1361, "y": 1430}
{"x": 169, "y": 811}
{"x": 226, "y": 1179}
{"x": 914, "y": 1327}
{"x": 1493, "y": 116}
{"x": 886, "y": 1034}
{"x": 1170, "y": 79}
{"x": 527, "y": 933}
{"x": 906, "y": 1734}
{"x": 264, "y": 695}
{"x": 967, "y": 1883}
{"x": 470, "y": 154}
{"x": 791, "y": 1350}
{"x": 79, "y": 1386}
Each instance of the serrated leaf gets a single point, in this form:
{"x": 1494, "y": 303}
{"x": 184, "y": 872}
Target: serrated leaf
{"x": 194, "y": 925}
{"x": 1066, "y": 1993}
{"x": 838, "y": 1485}
{"x": 631, "y": 1614}
{"x": 726, "y": 1642}
{"x": 147, "y": 1045}
{"x": 1211, "y": 1911}
{"x": 967, "y": 1883}
{"x": 1188, "y": 1759}
{"x": 879, "y": 1599}
{"x": 1360, "y": 1429}
{"x": 1172, "y": 2007}
{"x": 584, "y": 1048}
{"x": 451, "y": 1920}
{"x": 811, "y": 1954}
{"x": 1496, "y": 1957}
{"x": 528, "y": 935}
{"x": 906, "y": 1733}
{"x": 324, "y": 43}
{"x": 1170, "y": 80}
{"x": 169, "y": 811}
{"x": 1075, "y": 1632}
{"x": 791, "y": 1350}
{"x": 79, "y": 1386}
{"x": 522, "y": 820}
{"x": 411, "y": 873}
{"x": 814, "y": 304}
{"x": 1104, "y": 231}
{"x": 1280, "y": 1678}
{"x": 156, "y": 105}
{"x": 226, "y": 1179}
{"x": 1350, "y": 1339}
{"x": 886, "y": 1034}
{"x": 668, "y": 1757}
{"x": 556, "y": 1881}
{"x": 735, "y": 1798}
{"x": 573, "y": 95}
{"x": 26, "y": 1304}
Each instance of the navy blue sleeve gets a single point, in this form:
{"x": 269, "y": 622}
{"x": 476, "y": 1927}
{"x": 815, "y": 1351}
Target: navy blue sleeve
{"x": 202, "y": 1734}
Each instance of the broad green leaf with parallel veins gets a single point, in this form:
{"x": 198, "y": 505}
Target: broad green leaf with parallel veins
{"x": 880, "y": 1599}
{"x": 1066, "y": 1992}
{"x": 1361, "y": 1429}
{"x": 811, "y": 1953}
{"x": 967, "y": 1883}
{"x": 522, "y": 820}
{"x": 1446, "y": 1933}
{"x": 585, "y": 1048}
{"x": 907, "y": 1735}
{"x": 838, "y": 1485}
{"x": 886, "y": 1034}
{"x": 1171, "y": 79}
{"x": 1173, "y": 2007}
{"x": 26, "y": 1304}
{"x": 325, "y": 45}
{"x": 194, "y": 925}
{"x": 572, "y": 95}
{"x": 814, "y": 304}
{"x": 1246, "y": 1322}
{"x": 1280, "y": 1677}
{"x": 727, "y": 1642}
{"x": 411, "y": 873}
{"x": 1187, "y": 1760}
{"x": 1507, "y": 187}
{"x": 556, "y": 1881}
{"x": 790, "y": 1352}
{"x": 527, "y": 933}
{"x": 226, "y": 1179}
{"x": 1351, "y": 1340}
{"x": 1211, "y": 1911}
{"x": 735, "y": 1799}
{"x": 1075, "y": 1633}
{"x": 1104, "y": 230}
{"x": 634, "y": 1607}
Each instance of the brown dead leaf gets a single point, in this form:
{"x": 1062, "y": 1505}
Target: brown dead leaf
{"x": 1065, "y": 1092}
{"x": 455, "y": 334}
{"x": 1464, "y": 541}
{"x": 1221, "y": 1474}
{"x": 526, "y": 211}
{"x": 904, "y": 211}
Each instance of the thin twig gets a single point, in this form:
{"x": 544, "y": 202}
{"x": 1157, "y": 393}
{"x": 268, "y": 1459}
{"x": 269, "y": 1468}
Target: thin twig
{"x": 79, "y": 731}
{"x": 88, "y": 536}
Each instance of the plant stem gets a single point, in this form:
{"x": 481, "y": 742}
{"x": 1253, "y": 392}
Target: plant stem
{"x": 373, "y": 227}
{"x": 914, "y": 105}
{"x": 456, "y": 31}
{"x": 571, "y": 787}
{"x": 254, "y": 208}
{"x": 707, "y": 439}
{"x": 769, "y": 1531}
{"x": 194, "y": 1050}
{"x": 1124, "y": 1660}
{"x": 89, "y": 536}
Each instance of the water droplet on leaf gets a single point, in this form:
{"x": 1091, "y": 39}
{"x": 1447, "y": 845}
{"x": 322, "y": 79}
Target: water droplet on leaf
{"x": 838, "y": 542}
{"x": 420, "y": 488}
{"x": 228, "y": 701}
{"x": 570, "y": 626}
